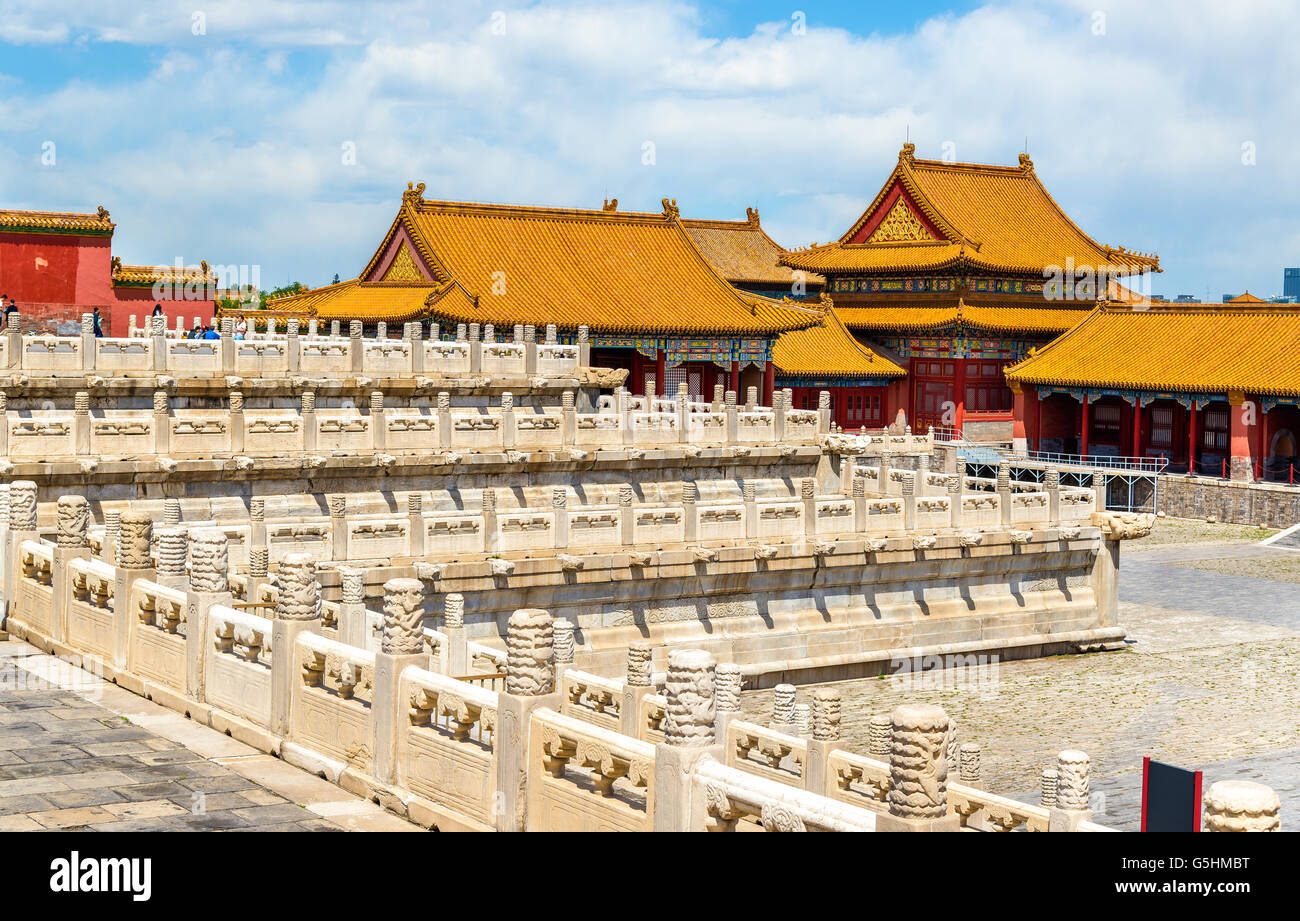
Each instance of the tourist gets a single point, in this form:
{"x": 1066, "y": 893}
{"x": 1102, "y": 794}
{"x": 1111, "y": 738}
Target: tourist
{"x": 210, "y": 333}
{"x": 99, "y": 327}
{"x": 241, "y": 328}
{"x": 157, "y": 310}
{"x": 196, "y": 332}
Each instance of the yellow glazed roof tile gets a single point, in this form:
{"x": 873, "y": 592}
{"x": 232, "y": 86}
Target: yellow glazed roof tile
{"x": 1006, "y": 318}
{"x": 56, "y": 221}
{"x": 829, "y": 350}
{"x": 743, "y": 253}
{"x": 1198, "y": 348}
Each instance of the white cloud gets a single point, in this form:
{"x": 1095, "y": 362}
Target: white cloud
{"x": 230, "y": 145}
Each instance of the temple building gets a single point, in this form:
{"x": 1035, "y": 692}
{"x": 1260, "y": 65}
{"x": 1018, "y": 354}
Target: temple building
{"x": 652, "y": 302}
{"x": 955, "y": 271}
{"x": 743, "y": 254}
{"x": 58, "y": 265}
{"x": 1214, "y": 388}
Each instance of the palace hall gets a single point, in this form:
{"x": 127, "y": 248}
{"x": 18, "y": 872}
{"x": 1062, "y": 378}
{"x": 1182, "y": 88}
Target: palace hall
{"x": 955, "y": 271}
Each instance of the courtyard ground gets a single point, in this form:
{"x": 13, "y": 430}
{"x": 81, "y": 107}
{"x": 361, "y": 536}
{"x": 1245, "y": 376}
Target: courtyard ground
{"x": 1209, "y": 679}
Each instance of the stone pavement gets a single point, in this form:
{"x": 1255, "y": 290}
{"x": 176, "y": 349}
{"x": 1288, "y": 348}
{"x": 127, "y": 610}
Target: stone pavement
{"x": 77, "y": 753}
{"x": 1210, "y": 679}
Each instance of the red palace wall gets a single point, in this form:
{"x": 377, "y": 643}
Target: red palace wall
{"x": 56, "y": 277}
{"x": 140, "y": 301}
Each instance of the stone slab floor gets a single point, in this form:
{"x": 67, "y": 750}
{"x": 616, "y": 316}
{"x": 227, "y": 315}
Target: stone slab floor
{"x": 77, "y": 753}
{"x": 1210, "y": 679}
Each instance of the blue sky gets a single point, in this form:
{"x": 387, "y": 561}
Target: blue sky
{"x": 1157, "y": 125}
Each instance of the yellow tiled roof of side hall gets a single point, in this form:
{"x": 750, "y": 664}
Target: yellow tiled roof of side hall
{"x": 988, "y": 317}
{"x": 829, "y": 350}
{"x": 1197, "y": 348}
{"x": 56, "y": 221}
{"x": 612, "y": 271}
{"x": 742, "y": 252}
{"x": 999, "y": 218}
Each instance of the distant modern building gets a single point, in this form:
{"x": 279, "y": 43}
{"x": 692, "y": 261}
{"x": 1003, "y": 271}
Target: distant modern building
{"x": 1291, "y": 283}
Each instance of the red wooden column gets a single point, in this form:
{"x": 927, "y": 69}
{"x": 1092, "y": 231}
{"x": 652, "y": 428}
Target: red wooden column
{"x": 1038, "y": 420}
{"x": 1191, "y": 438}
{"x": 735, "y": 381}
{"x": 959, "y": 394}
{"x": 769, "y": 382}
{"x": 1137, "y": 427}
{"x": 1019, "y": 436}
{"x": 1241, "y": 466}
{"x": 1083, "y": 427}
{"x": 660, "y": 388}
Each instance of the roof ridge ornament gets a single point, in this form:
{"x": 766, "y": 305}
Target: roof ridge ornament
{"x": 611, "y": 204}
{"x": 414, "y": 194}
{"x": 752, "y": 215}
{"x": 103, "y": 213}
{"x": 908, "y": 153}
{"x": 1026, "y": 164}
{"x": 670, "y": 209}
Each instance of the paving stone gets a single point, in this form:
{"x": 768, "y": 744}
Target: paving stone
{"x": 274, "y": 814}
{"x": 90, "y": 797}
{"x": 72, "y": 818}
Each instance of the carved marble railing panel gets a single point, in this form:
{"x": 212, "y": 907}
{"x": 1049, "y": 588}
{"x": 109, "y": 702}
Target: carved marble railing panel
{"x": 330, "y": 710}
{"x": 654, "y": 428}
{"x": 126, "y": 432}
{"x": 526, "y": 530}
{"x": 51, "y": 353}
{"x": 411, "y": 430}
{"x": 195, "y": 356}
{"x": 237, "y": 665}
{"x": 594, "y": 526}
{"x": 503, "y": 358}
{"x": 801, "y": 425}
{"x": 538, "y": 429}
{"x": 556, "y": 359}
{"x": 386, "y": 356}
{"x": 326, "y": 355}
{"x": 480, "y": 431}
{"x": 884, "y": 516}
{"x": 857, "y": 779}
{"x": 984, "y": 811}
{"x": 591, "y": 698}
{"x": 757, "y": 426}
{"x": 259, "y": 357}
{"x": 272, "y": 432}
{"x": 446, "y": 357}
{"x": 445, "y": 750}
{"x": 156, "y": 650}
{"x": 486, "y": 658}
{"x": 343, "y": 430}
{"x": 836, "y": 516}
{"x": 1077, "y": 504}
{"x": 658, "y": 525}
{"x": 981, "y": 509}
{"x": 124, "y": 355}
{"x": 585, "y": 778}
{"x": 199, "y": 432}
{"x": 725, "y": 798}
{"x": 722, "y": 522}
{"x": 708, "y": 427}
{"x": 378, "y": 538}
{"x": 314, "y": 537}
{"x": 933, "y": 512}
{"x": 35, "y": 596}
{"x": 90, "y": 625}
{"x": 765, "y": 752}
{"x": 42, "y": 434}
{"x": 780, "y": 518}
{"x": 599, "y": 429}
{"x": 453, "y": 533}
{"x": 650, "y": 718}
{"x": 1029, "y": 508}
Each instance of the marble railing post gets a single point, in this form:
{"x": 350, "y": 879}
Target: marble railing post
{"x": 551, "y": 334}
{"x": 823, "y": 411}
{"x": 688, "y": 735}
{"x": 381, "y": 330}
{"x": 81, "y": 422}
{"x": 1241, "y": 805}
{"x": 453, "y": 659}
{"x": 297, "y": 610}
{"x": 825, "y": 739}
{"x": 885, "y": 484}
{"x": 783, "y": 703}
{"x": 584, "y": 347}
{"x": 1052, "y": 485}
{"x": 354, "y": 626}
{"x": 918, "y": 772}
{"x": 446, "y": 434}
{"x": 719, "y": 398}
{"x": 808, "y": 492}
{"x": 530, "y": 685}
{"x": 530, "y": 350}
{"x": 378, "y": 420}
{"x": 4, "y": 424}
{"x": 415, "y": 526}
{"x": 293, "y": 348}
{"x": 568, "y": 419}
{"x": 1099, "y": 490}
{"x": 402, "y": 646}
{"x": 236, "y": 421}
{"x": 70, "y": 544}
{"x": 162, "y": 423}
{"x": 6, "y": 583}
{"x": 751, "y": 399}
{"x": 171, "y": 511}
{"x": 356, "y": 346}
{"x": 173, "y": 556}
{"x": 1047, "y": 788}
{"x": 683, "y": 414}
{"x": 336, "y": 329}
{"x": 859, "y": 487}
{"x": 909, "y": 501}
{"x": 954, "y": 501}
{"x": 475, "y": 350}
{"x": 112, "y": 528}
{"x": 256, "y": 523}
{"x": 564, "y": 650}
{"x": 88, "y": 342}
{"x": 310, "y": 425}
{"x": 14, "y": 330}
{"x": 313, "y": 327}
{"x": 968, "y": 759}
{"x": 749, "y": 499}
{"x": 733, "y": 417}
{"x": 1072, "y": 792}
{"x": 627, "y": 515}
{"x": 1004, "y": 492}
{"x": 960, "y": 466}
{"x": 491, "y": 530}
{"x": 779, "y": 407}
{"x": 636, "y": 685}
{"x": 651, "y": 392}
{"x": 412, "y": 336}
{"x": 727, "y": 686}
{"x": 158, "y": 332}
{"x": 509, "y": 423}
{"x": 560, "y": 513}
{"x": 690, "y": 511}
{"x": 338, "y": 506}
{"x": 208, "y": 585}
{"x": 227, "y": 347}
{"x": 133, "y": 563}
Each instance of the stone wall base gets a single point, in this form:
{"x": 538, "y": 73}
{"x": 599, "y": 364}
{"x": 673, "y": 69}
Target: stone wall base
{"x": 1264, "y": 505}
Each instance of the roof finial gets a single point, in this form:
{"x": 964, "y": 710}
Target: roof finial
{"x": 670, "y": 208}
{"x": 1026, "y": 164}
{"x": 102, "y": 212}
{"x": 611, "y": 204}
{"x": 752, "y": 214}
{"x": 908, "y": 152}
{"x": 414, "y": 193}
